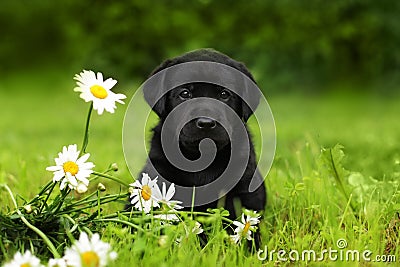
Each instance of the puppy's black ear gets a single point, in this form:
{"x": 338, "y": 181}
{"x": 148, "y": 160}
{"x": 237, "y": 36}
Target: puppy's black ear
{"x": 167, "y": 63}
{"x": 250, "y": 94}
{"x": 159, "y": 106}
{"x": 246, "y": 111}
{"x": 153, "y": 90}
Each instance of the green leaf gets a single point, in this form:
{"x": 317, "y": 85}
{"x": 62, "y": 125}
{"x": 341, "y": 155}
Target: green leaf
{"x": 300, "y": 187}
{"x": 330, "y": 162}
{"x": 330, "y": 165}
{"x": 225, "y": 213}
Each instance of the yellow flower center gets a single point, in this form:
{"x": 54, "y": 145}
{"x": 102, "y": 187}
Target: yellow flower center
{"x": 25, "y": 265}
{"x": 98, "y": 91}
{"x": 246, "y": 228}
{"x": 70, "y": 167}
{"x": 90, "y": 259}
{"x": 146, "y": 192}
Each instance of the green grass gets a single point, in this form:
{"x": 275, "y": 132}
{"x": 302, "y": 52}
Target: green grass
{"x": 305, "y": 210}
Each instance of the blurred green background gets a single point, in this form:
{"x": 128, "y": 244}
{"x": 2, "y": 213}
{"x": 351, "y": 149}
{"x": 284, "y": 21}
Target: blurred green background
{"x": 329, "y": 69}
{"x": 289, "y": 45}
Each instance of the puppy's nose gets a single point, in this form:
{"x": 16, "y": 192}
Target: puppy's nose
{"x": 205, "y": 123}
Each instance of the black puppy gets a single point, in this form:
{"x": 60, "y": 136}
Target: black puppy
{"x": 215, "y": 123}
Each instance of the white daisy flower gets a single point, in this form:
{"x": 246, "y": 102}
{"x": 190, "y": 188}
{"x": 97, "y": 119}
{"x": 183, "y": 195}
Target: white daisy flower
{"x": 244, "y": 228}
{"x": 145, "y": 194}
{"x": 190, "y": 229}
{"x": 166, "y": 196}
{"x": 93, "y": 88}
{"x": 170, "y": 216}
{"x": 24, "y": 260}
{"x": 197, "y": 228}
{"x": 70, "y": 169}
{"x": 57, "y": 263}
{"x": 193, "y": 228}
{"x": 89, "y": 252}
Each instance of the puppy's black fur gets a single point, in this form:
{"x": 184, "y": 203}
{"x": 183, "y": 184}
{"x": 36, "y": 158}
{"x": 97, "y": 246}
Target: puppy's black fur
{"x": 191, "y": 134}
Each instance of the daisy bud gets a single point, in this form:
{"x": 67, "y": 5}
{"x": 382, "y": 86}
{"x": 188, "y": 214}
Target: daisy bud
{"x": 114, "y": 167}
{"x": 101, "y": 187}
{"x": 28, "y": 208}
{"x": 162, "y": 241}
{"x": 81, "y": 188}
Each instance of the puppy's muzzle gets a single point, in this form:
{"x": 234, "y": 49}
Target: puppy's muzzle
{"x": 205, "y": 123}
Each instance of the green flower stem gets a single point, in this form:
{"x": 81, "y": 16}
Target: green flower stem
{"x": 205, "y": 214}
{"x": 87, "y": 230}
{"x": 74, "y": 227}
{"x": 66, "y": 216}
{"x": 98, "y": 203}
{"x": 112, "y": 197}
{"x": 104, "y": 200}
{"x": 345, "y": 211}
{"x": 47, "y": 198}
{"x": 44, "y": 189}
{"x": 163, "y": 212}
{"x": 95, "y": 176}
{"x": 193, "y": 196}
{"x": 81, "y": 201}
{"x": 116, "y": 214}
{"x": 86, "y": 136}
{"x": 59, "y": 202}
{"x": 115, "y": 179}
{"x": 33, "y": 228}
{"x": 124, "y": 222}
{"x": 339, "y": 182}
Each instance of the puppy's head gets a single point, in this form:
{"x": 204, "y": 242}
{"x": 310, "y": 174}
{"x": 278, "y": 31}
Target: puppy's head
{"x": 205, "y": 108}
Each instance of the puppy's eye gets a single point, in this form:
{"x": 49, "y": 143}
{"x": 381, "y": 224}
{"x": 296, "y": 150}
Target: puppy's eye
{"x": 224, "y": 94}
{"x": 185, "y": 94}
